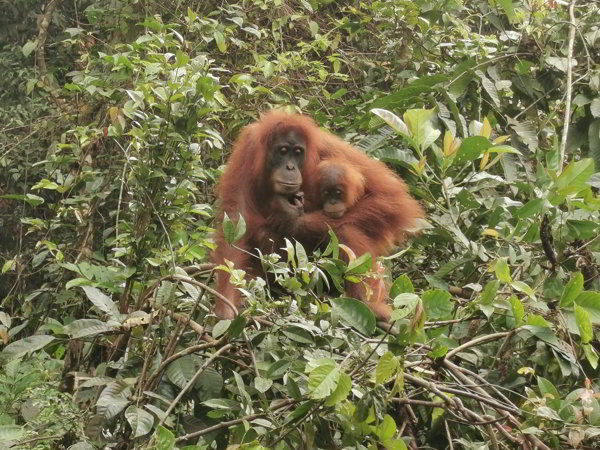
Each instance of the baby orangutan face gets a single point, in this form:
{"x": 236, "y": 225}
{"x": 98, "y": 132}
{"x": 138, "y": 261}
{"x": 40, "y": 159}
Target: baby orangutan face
{"x": 340, "y": 187}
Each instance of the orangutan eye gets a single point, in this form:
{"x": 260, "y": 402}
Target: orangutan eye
{"x": 283, "y": 150}
{"x": 298, "y": 151}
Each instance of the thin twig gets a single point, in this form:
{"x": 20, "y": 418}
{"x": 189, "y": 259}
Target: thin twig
{"x": 479, "y": 340}
{"x": 192, "y": 381}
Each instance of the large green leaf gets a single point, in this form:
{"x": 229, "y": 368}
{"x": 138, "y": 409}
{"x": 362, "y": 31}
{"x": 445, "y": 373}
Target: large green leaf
{"x": 101, "y": 301}
{"x": 437, "y": 304}
{"x": 140, "y": 420}
{"x": 323, "y": 380}
{"x": 572, "y": 290}
{"x": 471, "y": 149}
{"x": 573, "y": 179}
{"x": 387, "y": 366}
{"x": 26, "y": 345}
{"x": 355, "y": 313}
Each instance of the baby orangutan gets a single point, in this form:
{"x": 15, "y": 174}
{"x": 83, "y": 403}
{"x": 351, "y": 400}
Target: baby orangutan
{"x": 340, "y": 188}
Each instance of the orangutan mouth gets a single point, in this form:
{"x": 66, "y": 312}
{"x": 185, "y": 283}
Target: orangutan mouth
{"x": 297, "y": 199}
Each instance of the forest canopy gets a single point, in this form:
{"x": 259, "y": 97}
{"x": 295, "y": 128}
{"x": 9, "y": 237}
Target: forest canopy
{"x": 117, "y": 118}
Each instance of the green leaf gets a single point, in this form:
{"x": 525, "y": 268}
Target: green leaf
{"x": 301, "y": 256}
{"x": 509, "y": 10}
{"x": 182, "y": 58}
{"x": 408, "y": 94}
{"x": 223, "y": 404}
{"x": 343, "y": 91}
{"x": 471, "y": 149}
{"x": 293, "y": 389}
{"x": 323, "y": 380}
{"x": 437, "y": 304}
{"x": 504, "y": 149}
{"x": 574, "y": 176}
{"x": 181, "y": 371}
{"x": 220, "y": 40}
{"x": 25, "y": 346}
{"x": 355, "y": 313}
{"x": 502, "y": 270}
{"x": 453, "y": 264}
{"x": 386, "y": 429}
{"x": 101, "y": 301}
{"x": 360, "y": 265}
{"x": 438, "y": 351}
{"x": 87, "y": 327}
{"x": 341, "y": 391}
{"x": 490, "y": 87}
{"x": 418, "y": 122}
{"x": 523, "y": 287}
{"x": 278, "y": 368}
{"x": 233, "y": 232}
{"x": 537, "y": 321}
{"x": 46, "y": 184}
{"x": 517, "y": 310}
{"x": 140, "y": 420}
{"x": 268, "y": 69}
{"x": 583, "y": 229}
{"x": 584, "y": 324}
{"x": 30, "y": 199}
{"x": 530, "y": 208}
{"x": 392, "y": 120}
{"x": 8, "y": 265}
{"x": 591, "y": 355}
{"x": 546, "y": 387}
{"x": 29, "y": 47}
{"x": 237, "y": 327}
{"x": 398, "y": 157}
{"x": 488, "y": 295}
{"x": 395, "y": 444}
{"x": 262, "y": 385}
{"x": 386, "y": 369}
{"x": 572, "y": 290}
{"x": 590, "y": 300}
{"x": 10, "y": 433}
{"x": 300, "y": 411}
{"x": 163, "y": 439}
{"x": 298, "y": 334}
{"x": 594, "y": 139}
{"x": 220, "y": 328}
{"x": 114, "y": 398}
{"x": 404, "y": 304}
{"x": 335, "y": 268}
{"x": 401, "y": 285}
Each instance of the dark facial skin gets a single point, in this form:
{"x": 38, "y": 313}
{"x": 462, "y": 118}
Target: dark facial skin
{"x": 285, "y": 161}
{"x": 333, "y": 195}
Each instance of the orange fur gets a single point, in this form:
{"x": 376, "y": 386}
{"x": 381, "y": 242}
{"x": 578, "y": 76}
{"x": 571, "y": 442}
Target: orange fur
{"x": 245, "y": 189}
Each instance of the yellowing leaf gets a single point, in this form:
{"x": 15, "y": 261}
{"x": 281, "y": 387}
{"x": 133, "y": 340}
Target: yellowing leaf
{"x": 491, "y": 232}
{"x": 484, "y": 160}
{"x": 486, "y": 129}
{"x": 501, "y": 139}
{"x": 451, "y": 143}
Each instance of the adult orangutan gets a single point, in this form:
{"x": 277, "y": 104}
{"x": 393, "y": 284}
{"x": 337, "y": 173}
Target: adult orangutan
{"x": 270, "y": 158}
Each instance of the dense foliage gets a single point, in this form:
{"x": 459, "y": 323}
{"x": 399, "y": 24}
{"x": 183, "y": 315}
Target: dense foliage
{"x": 116, "y": 119}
